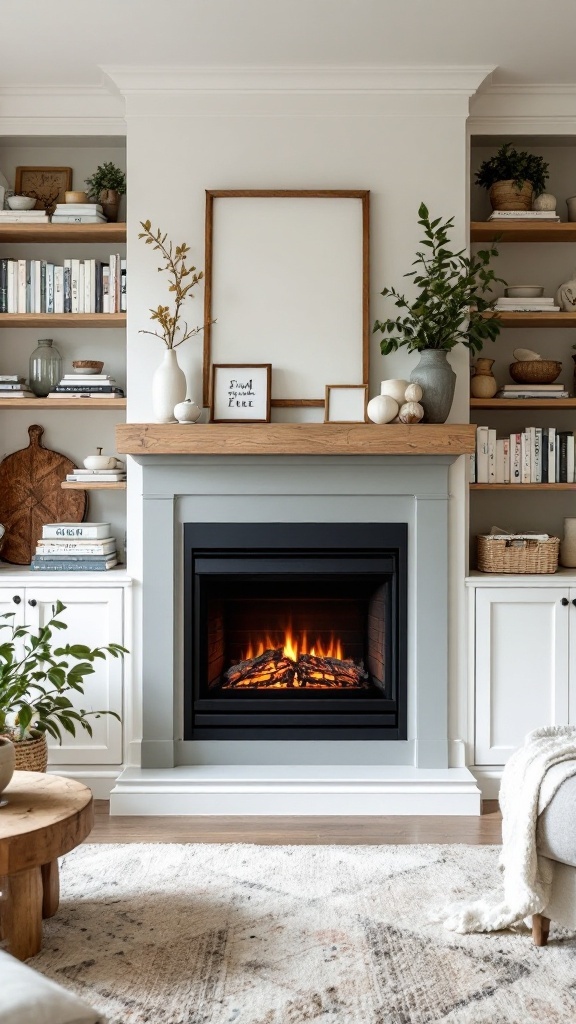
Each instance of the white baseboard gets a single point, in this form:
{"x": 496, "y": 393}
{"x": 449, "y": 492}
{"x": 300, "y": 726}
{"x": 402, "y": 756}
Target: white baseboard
{"x": 295, "y": 790}
{"x": 100, "y": 780}
{"x": 488, "y": 779}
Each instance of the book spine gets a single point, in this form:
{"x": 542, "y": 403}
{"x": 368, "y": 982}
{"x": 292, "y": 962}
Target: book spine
{"x": 472, "y": 472}
{"x": 482, "y": 455}
{"x": 43, "y": 556}
{"x": 21, "y": 308}
{"x": 36, "y": 282}
{"x": 106, "y": 288}
{"x": 500, "y": 461}
{"x": 75, "y": 285}
{"x": 563, "y": 457}
{"x": 29, "y": 291}
{"x": 538, "y": 455}
{"x": 68, "y": 566}
{"x": 3, "y": 285}
{"x": 552, "y": 455}
{"x": 491, "y": 456}
{"x": 81, "y": 292}
{"x": 96, "y": 389}
{"x": 525, "y": 458}
{"x": 62, "y": 531}
{"x": 87, "y": 274}
{"x": 506, "y": 460}
{"x": 98, "y": 286}
{"x": 73, "y": 549}
{"x": 49, "y": 287}
{"x": 12, "y": 287}
{"x": 67, "y": 287}
{"x": 122, "y": 286}
{"x": 112, "y": 285}
{"x": 570, "y": 459}
{"x": 545, "y": 449}
{"x": 58, "y": 289}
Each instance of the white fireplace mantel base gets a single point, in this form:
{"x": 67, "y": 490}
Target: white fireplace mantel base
{"x": 295, "y": 790}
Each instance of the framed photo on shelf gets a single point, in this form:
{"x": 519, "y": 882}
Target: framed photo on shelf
{"x": 46, "y": 185}
{"x": 288, "y": 271}
{"x": 241, "y": 393}
{"x": 345, "y": 403}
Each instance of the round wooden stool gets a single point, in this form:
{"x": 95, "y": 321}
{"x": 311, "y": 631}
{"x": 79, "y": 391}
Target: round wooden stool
{"x": 43, "y": 817}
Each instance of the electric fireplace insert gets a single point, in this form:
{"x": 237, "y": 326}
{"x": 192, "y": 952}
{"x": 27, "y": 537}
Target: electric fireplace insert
{"x": 295, "y": 630}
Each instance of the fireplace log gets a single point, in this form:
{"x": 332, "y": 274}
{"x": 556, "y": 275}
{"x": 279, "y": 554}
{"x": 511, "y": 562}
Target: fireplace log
{"x": 267, "y": 669}
{"x": 331, "y": 672}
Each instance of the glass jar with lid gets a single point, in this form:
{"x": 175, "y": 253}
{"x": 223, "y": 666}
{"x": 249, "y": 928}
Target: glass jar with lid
{"x": 45, "y": 370}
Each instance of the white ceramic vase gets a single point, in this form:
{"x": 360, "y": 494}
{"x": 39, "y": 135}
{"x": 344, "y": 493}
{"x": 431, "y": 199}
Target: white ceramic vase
{"x": 568, "y": 544}
{"x": 168, "y": 388}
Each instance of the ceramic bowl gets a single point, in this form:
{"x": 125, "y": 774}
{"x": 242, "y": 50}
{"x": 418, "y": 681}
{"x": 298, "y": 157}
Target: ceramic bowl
{"x": 535, "y": 371}
{"x": 21, "y": 202}
{"x": 524, "y": 291}
{"x": 75, "y": 197}
{"x": 87, "y": 366}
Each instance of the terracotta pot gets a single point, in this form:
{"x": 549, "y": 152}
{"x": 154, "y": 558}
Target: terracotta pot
{"x": 505, "y": 195}
{"x": 483, "y": 383}
{"x": 110, "y": 203}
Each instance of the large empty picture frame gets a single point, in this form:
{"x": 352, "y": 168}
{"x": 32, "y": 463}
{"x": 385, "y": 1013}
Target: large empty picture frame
{"x": 287, "y": 283}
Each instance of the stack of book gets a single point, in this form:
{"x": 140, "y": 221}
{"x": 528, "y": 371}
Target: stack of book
{"x": 533, "y": 391}
{"x": 23, "y": 217}
{"x": 75, "y": 547}
{"x": 97, "y": 476}
{"x": 541, "y": 305}
{"x": 78, "y": 213}
{"x": 13, "y": 386}
{"x": 536, "y": 455}
{"x": 524, "y": 215}
{"x": 89, "y": 385}
{"x": 79, "y": 286}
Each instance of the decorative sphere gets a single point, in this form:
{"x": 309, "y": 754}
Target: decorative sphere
{"x": 382, "y": 409}
{"x": 545, "y": 201}
{"x": 394, "y": 389}
{"x": 413, "y": 393}
{"x": 411, "y": 412}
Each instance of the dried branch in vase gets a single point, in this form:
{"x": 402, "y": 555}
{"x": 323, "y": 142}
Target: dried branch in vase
{"x": 173, "y": 330}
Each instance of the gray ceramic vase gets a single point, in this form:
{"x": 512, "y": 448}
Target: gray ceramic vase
{"x": 437, "y": 379}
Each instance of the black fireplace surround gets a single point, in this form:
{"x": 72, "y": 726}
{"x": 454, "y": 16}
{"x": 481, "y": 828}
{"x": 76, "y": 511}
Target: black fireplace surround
{"x": 295, "y": 630}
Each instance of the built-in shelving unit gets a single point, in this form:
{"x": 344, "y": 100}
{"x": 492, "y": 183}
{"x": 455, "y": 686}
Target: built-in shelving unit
{"x": 539, "y": 320}
{"x": 523, "y": 487}
{"x": 513, "y": 404}
{"x": 104, "y": 486}
{"x": 77, "y": 233}
{"x": 63, "y": 403}
{"x": 48, "y": 320}
{"x": 523, "y": 231}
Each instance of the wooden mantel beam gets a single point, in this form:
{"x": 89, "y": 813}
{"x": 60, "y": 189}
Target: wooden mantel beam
{"x": 295, "y": 439}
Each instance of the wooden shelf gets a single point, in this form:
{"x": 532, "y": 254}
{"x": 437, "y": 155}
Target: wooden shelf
{"x": 509, "y": 404}
{"x": 533, "y": 319}
{"x": 63, "y": 403}
{"x": 523, "y": 487}
{"x": 81, "y": 233}
{"x": 104, "y": 486}
{"x": 522, "y": 231}
{"x": 295, "y": 439}
{"x": 62, "y": 319}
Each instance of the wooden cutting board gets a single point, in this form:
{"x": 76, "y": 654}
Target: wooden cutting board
{"x": 30, "y": 496}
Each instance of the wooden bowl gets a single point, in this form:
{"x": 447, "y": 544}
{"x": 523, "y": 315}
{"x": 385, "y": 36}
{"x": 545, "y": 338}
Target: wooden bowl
{"x": 535, "y": 371}
{"x": 87, "y": 366}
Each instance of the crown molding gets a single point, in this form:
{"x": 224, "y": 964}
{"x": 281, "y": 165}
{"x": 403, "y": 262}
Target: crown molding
{"x": 314, "y": 79}
{"x": 62, "y": 126}
{"x": 29, "y": 109}
{"x": 530, "y": 89}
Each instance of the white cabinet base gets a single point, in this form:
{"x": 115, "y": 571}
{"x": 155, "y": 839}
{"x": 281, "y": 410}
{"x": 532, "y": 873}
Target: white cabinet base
{"x": 100, "y": 780}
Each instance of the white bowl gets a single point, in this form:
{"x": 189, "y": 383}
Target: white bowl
{"x": 524, "y": 291}
{"x": 21, "y": 202}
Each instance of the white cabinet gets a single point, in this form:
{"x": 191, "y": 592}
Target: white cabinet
{"x": 524, "y": 664}
{"x": 95, "y": 615}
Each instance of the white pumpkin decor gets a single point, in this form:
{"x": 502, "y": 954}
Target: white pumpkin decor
{"x": 411, "y": 412}
{"x": 413, "y": 393}
{"x": 395, "y": 389}
{"x": 382, "y": 409}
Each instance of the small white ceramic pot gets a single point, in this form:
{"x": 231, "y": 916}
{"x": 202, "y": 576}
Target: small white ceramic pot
{"x": 382, "y": 409}
{"x": 395, "y": 389}
{"x": 6, "y": 762}
{"x": 102, "y": 462}
{"x": 187, "y": 411}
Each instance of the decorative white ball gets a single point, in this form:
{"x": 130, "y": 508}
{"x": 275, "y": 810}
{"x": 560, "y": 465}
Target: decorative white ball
{"x": 411, "y": 412}
{"x": 413, "y": 393}
{"x": 394, "y": 389}
{"x": 382, "y": 409}
{"x": 545, "y": 201}
{"x": 187, "y": 411}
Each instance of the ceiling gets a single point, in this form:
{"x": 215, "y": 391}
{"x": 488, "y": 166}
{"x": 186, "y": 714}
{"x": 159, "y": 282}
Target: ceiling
{"x": 65, "y": 41}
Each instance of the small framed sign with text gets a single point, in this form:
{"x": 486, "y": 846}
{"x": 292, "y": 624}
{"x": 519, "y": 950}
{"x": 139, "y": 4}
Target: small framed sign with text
{"x": 241, "y": 394}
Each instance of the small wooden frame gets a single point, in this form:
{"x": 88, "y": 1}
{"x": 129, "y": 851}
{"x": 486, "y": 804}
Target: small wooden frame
{"x": 345, "y": 403}
{"x": 289, "y": 266}
{"x": 240, "y": 393}
{"x": 46, "y": 185}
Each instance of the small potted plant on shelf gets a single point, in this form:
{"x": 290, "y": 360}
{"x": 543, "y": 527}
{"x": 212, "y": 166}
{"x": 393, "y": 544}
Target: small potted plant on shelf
{"x": 513, "y": 178}
{"x": 106, "y": 186}
{"x": 448, "y": 309}
{"x": 37, "y": 679}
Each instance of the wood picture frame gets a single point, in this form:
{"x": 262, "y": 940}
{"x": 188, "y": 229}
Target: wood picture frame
{"x": 241, "y": 393}
{"x": 46, "y": 184}
{"x": 291, "y": 265}
{"x": 346, "y": 403}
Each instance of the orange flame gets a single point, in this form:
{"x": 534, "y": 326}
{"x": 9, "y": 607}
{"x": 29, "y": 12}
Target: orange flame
{"x": 294, "y": 645}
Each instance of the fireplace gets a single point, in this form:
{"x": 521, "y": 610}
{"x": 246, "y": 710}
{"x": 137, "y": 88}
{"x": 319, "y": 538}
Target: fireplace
{"x": 295, "y": 630}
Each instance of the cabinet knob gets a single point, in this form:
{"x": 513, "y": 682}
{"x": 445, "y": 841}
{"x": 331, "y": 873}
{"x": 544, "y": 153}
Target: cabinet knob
{"x": 33, "y": 602}
{"x": 564, "y": 601}
{"x": 574, "y": 601}
{"x": 16, "y": 599}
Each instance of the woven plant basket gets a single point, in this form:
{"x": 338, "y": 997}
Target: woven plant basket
{"x": 505, "y": 195}
{"x": 31, "y": 755}
{"x": 502, "y": 554}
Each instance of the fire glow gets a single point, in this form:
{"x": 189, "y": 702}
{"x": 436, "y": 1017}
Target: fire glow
{"x": 295, "y": 645}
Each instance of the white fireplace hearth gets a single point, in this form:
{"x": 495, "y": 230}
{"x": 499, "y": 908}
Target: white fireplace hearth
{"x": 294, "y": 776}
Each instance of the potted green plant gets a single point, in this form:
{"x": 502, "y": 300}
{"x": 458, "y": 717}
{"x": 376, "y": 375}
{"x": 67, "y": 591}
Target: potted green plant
{"x": 513, "y": 178}
{"x": 37, "y": 679}
{"x": 169, "y": 381}
{"x": 448, "y": 309}
{"x": 106, "y": 186}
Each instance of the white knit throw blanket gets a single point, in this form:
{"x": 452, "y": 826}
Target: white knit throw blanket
{"x": 527, "y": 876}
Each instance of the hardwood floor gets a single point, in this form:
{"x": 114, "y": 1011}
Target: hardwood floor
{"x": 276, "y": 831}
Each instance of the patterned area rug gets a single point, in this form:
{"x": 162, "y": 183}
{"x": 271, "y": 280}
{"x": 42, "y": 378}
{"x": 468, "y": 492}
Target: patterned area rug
{"x": 181, "y": 934}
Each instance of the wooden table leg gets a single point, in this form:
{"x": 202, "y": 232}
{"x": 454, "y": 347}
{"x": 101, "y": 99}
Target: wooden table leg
{"x": 50, "y": 888}
{"x": 22, "y": 914}
{"x": 540, "y": 929}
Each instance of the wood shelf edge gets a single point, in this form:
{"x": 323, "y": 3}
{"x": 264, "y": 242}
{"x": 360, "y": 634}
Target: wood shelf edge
{"x": 69, "y": 485}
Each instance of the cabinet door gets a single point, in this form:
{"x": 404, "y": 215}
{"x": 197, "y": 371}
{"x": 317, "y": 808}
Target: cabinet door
{"x": 94, "y": 617}
{"x": 521, "y": 657}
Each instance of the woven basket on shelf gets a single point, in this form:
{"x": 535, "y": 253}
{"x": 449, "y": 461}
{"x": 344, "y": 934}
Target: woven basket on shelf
{"x": 505, "y": 195}
{"x": 502, "y": 554}
{"x": 31, "y": 755}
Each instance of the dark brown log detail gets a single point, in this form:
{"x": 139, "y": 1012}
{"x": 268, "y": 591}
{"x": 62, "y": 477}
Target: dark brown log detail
{"x": 272, "y": 668}
{"x": 268, "y": 669}
{"x": 331, "y": 672}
